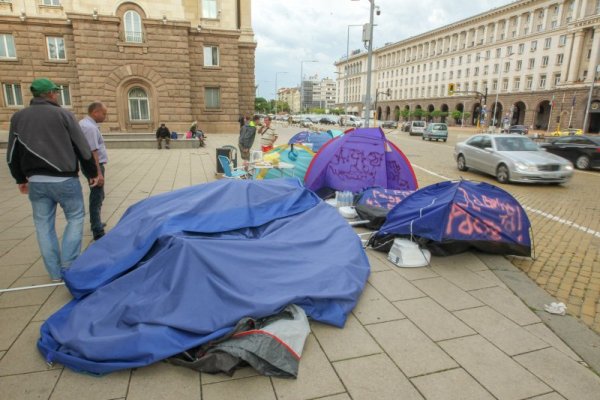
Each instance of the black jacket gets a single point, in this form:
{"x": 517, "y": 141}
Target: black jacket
{"x": 45, "y": 139}
{"x": 163, "y": 131}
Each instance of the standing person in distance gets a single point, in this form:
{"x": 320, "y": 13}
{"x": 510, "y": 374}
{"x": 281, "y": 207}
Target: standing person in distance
{"x": 163, "y": 133}
{"x": 247, "y": 135}
{"x": 45, "y": 147}
{"x": 267, "y": 135}
{"x": 89, "y": 126}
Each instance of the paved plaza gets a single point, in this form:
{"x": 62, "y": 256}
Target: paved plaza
{"x": 469, "y": 326}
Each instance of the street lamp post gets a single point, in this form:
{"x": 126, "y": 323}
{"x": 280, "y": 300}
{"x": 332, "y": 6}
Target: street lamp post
{"x": 369, "y": 65}
{"x": 498, "y": 90}
{"x": 276, "y": 90}
{"x": 347, "y": 69}
{"x": 589, "y": 102}
{"x": 302, "y": 83}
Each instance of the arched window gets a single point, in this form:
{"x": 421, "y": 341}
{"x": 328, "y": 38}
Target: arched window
{"x": 133, "y": 27}
{"x": 138, "y": 104}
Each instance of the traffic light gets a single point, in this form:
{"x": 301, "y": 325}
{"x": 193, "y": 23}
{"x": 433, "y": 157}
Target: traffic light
{"x": 451, "y": 88}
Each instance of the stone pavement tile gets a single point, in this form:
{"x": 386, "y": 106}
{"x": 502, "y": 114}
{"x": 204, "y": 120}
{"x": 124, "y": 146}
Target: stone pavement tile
{"x": 238, "y": 374}
{"x": 164, "y": 381}
{"x": 5, "y": 251}
{"x": 2, "y": 353}
{"x": 431, "y": 318}
{"x": 375, "y": 377}
{"x": 30, "y": 297}
{"x": 350, "y": 342}
{"x": 393, "y": 286}
{"x": 255, "y": 388}
{"x": 18, "y": 233}
{"x": 413, "y": 274}
{"x": 543, "y": 332}
{"x": 410, "y": 349}
{"x": 75, "y": 386}
{"x": 57, "y": 299}
{"x": 506, "y": 303}
{"x": 38, "y": 268}
{"x": 10, "y": 273}
{"x": 454, "y": 384}
{"x": 343, "y": 396}
{"x": 372, "y": 307}
{"x": 549, "y": 396}
{"x": 501, "y": 331}
{"x": 25, "y": 252}
{"x": 24, "y": 357}
{"x": 567, "y": 377}
{"x": 316, "y": 377}
{"x": 494, "y": 370}
{"x": 14, "y": 320}
{"x": 492, "y": 277}
{"x": 378, "y": 261}
{"x": 444, "y": 292}
{"x": 35, "y": 386}
{"x": 454, "y": 269}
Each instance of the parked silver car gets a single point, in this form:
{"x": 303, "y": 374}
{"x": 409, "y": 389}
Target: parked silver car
{"x": 511, "y": 158}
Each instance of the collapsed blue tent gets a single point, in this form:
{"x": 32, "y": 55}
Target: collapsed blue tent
{"x": 454, "y": 216}
{"x": 182, "y": 268}
{"x": 375, "y": 203}
{"x": 317, "y": 139}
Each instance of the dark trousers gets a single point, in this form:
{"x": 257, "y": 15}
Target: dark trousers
{"x": 96, "y": 199}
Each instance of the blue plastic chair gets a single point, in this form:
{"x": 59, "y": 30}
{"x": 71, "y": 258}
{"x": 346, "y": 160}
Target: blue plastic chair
{"x": 231, "y": 173}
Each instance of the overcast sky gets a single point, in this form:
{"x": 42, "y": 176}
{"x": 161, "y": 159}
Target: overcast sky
{"x": 289, "y": 31}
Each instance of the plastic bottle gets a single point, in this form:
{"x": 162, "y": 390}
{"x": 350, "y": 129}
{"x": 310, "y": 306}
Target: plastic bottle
{"x": 338, "y": 198}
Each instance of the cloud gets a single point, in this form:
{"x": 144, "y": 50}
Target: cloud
{"x": 290, "y": 31}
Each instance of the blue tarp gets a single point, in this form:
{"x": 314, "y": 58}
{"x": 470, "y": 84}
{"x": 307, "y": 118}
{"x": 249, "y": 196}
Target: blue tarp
{"x": 454, "y": 216}
{"x": 183, "y": 268}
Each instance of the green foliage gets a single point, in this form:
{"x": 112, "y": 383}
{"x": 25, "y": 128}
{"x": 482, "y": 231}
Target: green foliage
{"x": 405, "y": 114}
{"x": 417, "y": 113}
{"x": 436, "y": 113}
{"x": 261, "y": 105}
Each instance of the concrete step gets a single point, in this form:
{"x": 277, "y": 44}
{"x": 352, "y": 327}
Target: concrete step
{"x": 117, "y": 142}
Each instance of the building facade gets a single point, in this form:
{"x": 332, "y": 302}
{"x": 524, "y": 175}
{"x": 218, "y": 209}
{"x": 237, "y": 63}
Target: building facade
{"x": 318, "y": 93}
{"x": 538, "y": 58}
{"x": 150, "y": 62}
{"x": 291, "y": 96}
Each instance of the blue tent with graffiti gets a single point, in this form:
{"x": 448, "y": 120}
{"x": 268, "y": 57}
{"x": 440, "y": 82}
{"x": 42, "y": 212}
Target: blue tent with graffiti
{"x": 454, "y": 216}
{"x": 181, "y": 269}
{"x": 360, "y": 159}
{"x": 316, "y": 139}
{"x": 298, "y": 155}
{"x": 375, "y": 203}
{"x": 335, "y": 132}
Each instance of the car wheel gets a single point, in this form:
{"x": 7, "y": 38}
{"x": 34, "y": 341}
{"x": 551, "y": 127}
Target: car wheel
{"x": 461, "y": 163}
{"x": 582, "y": 162}
{"x": 444, "y": 140}
{"x": 502, "y": 174}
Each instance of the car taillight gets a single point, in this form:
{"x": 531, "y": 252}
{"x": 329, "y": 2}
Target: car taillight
{"x": 597, "y": 149}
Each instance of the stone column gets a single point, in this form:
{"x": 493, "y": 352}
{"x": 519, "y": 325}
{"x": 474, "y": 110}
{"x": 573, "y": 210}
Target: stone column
{"x": 582, "y": 11}
{"x": 575, "y": 60}
{"x": 564, "y": 69}
{"x": 545, "y": 19}
{"x": 575, "y": 12}
{"x": 595, "y": 56}
{"x": 518, "y": 29}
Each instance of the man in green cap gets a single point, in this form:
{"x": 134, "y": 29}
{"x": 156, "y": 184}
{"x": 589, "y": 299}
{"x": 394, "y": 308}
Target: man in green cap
{"x": 45, "y": 147}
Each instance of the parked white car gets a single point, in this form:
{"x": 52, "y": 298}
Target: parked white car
{"x": 416, "y": 128}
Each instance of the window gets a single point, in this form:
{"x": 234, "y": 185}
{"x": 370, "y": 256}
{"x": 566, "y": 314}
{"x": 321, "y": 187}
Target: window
{"x": 504, "y": 85}
{"x": 212, "y": 97}
{"x": 64, "y": 96}
{"x": 529, "y": 84}
{"x": 562, "y": 40}
{"x": 12, "y": 95}
{"x": 133, "y": 27}
{"x": 498, "y": 53}
{"x": 475, "y": 86}
{"x": 138, "y": 105}
{"x": 507, "y": 66}
{"x": 531, "y": 63}
{"x": 542, "y": 81}
{"x": 559, "y": 59}
{"x": 477, "y": 57}
{"x": 556, "y": 79}
{"x": 547, "y": 43}
{"x": 7, "y": 47}
{"x": 51, "y": 2}
{"x": 495, "y": 85}
{"x": 211, "y": 56}
{"x": 539, "y": 27}
{"x": 467, "y": 70}
{"x": 521, "y": 48}
{"x": 476, "y": 71}
{"x": 554, "y": 24}
{"x": 56, "y": 48}
{"x": 496, "y": 67}
{"x": 209, "y": 9}
{"x": 545, "y": 61}
{"x": 508, "y": 50}
{"x": 519, "y": 65}
{"x": 487, "y": 54}
{"x": 516, "y": 83}
{"x": 533, "y": 46}
{"x": 485, "y": 69}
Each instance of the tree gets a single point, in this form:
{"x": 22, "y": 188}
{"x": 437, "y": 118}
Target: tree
{"x": 417, "y": 113}
{"x": 405, "y": 114}
{"x": 435, "y": 114}
{"x": 261, "y": 105}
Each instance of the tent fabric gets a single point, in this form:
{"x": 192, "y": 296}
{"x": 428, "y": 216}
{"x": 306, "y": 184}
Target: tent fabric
{"x": 272, "y": 346}
{"x": 182, "y": 268}
{"x": 335, "y": 132}
{"x": 453, "y": 216}
{"x": 318, "y": 139}
{"x": 374, "y": 204}
{"x": 297, "y": 154}
{"x": 358, "y": 160}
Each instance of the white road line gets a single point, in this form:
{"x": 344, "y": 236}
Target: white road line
{"x": 533, "y": 210}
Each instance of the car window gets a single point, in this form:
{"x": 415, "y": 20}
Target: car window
{"x": 475, "y": 141}
{"x": 515, "y": 144}
{"x": 419, "y": 123}
{"x": 595, "y": 141}
{"x": 439, "y": 127}
{"x": 486, "y": 141}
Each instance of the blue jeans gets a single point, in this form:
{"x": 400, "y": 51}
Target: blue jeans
{"x": 44, "y": 197}
{"x": 96, "y": 199}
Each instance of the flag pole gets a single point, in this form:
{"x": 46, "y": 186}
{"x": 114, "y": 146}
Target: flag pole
{"x": 550, "y": 116}
{"x": 571, "y": 114}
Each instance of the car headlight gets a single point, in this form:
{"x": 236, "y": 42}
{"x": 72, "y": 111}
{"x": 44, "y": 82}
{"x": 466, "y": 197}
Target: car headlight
{"x": 568, "y": 167}
{"x": 525, "y": 167}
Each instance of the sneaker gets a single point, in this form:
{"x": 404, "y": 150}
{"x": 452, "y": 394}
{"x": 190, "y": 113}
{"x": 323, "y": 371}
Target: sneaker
{"x": 98, "y": 235}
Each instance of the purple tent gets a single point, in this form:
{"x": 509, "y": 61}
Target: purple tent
{"x": 358, "y": 160}
{"x": 317, "y": 139}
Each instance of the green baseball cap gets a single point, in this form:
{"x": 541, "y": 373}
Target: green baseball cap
{"x": 41, "y": 86}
